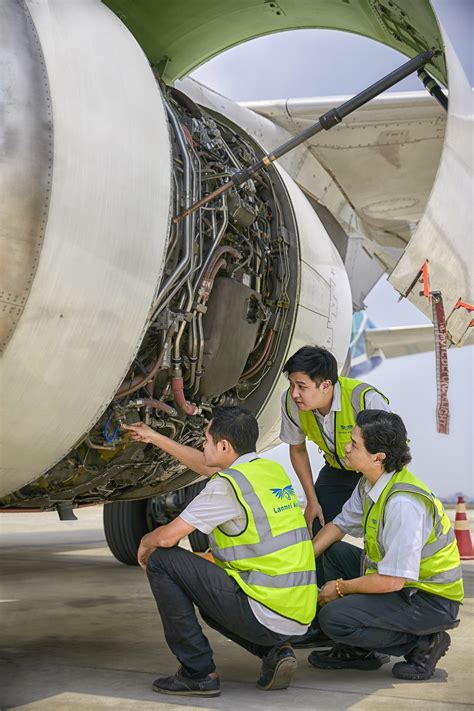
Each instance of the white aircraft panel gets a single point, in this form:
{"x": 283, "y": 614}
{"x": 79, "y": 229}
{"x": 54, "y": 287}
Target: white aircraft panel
{"x": 444, "y": 235}
{"x": 105, "y": 237}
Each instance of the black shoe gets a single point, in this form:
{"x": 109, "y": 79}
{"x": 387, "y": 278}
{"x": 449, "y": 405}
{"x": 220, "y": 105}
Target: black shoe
{"x": 343, "y": 657}
{"x": 277, "y": 669}
{"x": 179, "y": 685}
{"x": 312, "y": 638}
{"x": 421, "y": 662}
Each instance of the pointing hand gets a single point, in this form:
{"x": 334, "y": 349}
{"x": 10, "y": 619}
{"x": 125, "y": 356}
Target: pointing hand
{"x": 141, "y": 432}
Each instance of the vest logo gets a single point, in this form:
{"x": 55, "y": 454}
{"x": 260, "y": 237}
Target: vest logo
{"x": 286, "y": 493}
{"x": 346, "y": 427}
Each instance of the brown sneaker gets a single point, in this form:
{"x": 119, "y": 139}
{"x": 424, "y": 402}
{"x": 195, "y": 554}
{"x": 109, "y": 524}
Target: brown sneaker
{"x": 277, "y": 668}
{"x": 179, "y": 685}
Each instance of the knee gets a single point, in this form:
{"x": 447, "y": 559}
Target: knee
{"x": 159, "y": 560}
{"x": 334, "y": 620}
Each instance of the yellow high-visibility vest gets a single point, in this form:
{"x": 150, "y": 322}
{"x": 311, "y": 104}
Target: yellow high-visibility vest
{"x": 440, "y": 565}
{"x": 353, "y": 394}
{"x": 272, "y": 559}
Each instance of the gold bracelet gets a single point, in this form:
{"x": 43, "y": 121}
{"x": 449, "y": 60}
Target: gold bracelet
{"x": 338, "y": 589}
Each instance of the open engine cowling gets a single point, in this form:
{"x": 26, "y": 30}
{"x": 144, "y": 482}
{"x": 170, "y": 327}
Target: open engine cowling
{"x": 115, "y": 312}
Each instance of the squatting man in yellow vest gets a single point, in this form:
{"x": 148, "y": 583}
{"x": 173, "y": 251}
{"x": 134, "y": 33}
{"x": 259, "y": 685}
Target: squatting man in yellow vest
{"x": 402, "y": 592}
{"x": 262, "y": 589}
{"x": 321, "y": 406}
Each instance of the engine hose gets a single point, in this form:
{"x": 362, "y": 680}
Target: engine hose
{"x": 141, "y": 380}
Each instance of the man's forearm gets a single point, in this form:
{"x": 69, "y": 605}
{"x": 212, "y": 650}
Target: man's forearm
{"x": 324, "y": 538}
{"x": 300, "y": 461}
{"x": 190, "y": 457}
{"x": 371, "y": 584}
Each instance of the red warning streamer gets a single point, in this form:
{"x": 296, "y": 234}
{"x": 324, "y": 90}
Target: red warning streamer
{"x": 442, "y": 372}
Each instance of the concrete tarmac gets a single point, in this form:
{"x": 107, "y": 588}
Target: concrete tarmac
{"x": 80, "y": 632}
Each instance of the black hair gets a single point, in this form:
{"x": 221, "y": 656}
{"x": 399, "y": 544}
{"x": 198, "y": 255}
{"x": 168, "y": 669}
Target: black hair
{"x": 237, "y": 425}
{"x": 317, "y": 363}
{"x": 385, "y": 432}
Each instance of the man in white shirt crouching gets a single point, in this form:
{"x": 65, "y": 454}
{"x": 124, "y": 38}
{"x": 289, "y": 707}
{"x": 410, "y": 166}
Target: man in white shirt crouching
{"x": 261, "y": 590}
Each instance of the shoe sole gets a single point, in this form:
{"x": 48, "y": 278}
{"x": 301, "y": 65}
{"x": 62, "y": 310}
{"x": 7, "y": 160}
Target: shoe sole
{"x": 186, "y": 693}
{"x": 363, "y": 665}
{"x": 284, "y": 670}
{"x": 424, "y": 677}
{"x": 314, "y": 645}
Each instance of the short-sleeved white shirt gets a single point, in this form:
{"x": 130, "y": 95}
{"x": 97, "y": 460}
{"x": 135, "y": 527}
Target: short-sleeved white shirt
{"x": 291, "y": 432}
{"x": 408, "y": 522}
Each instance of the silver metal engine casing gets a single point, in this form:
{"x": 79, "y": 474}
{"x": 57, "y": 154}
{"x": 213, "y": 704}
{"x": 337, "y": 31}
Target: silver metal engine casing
{"x": 88, "y": 152}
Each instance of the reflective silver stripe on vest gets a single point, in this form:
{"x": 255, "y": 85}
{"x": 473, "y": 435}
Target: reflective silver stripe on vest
{"x": 429, "y": 549}
{"x": 366, "y": 563}
{"x": 286, "y": 580}
{"x": 355, "y": 395}
{"x": 447, "y": 576}
{"x": 262, "y": 524}
{"x": 444, "y": 540}
{"x": 272, "y": 545}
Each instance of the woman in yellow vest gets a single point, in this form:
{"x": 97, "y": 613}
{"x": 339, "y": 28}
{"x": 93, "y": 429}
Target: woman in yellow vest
{"x": 261, "y": 590}
{"x": 400, "y": 594}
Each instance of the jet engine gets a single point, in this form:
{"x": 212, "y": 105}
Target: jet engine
{"x": 114, "y": 311}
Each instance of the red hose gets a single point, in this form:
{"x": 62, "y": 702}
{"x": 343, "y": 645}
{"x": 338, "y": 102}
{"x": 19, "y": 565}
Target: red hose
{"x": 177, "y": 386}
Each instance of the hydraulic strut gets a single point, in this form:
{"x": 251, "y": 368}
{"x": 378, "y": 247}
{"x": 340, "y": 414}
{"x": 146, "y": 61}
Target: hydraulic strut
{"x": 434, "y": 88}
{"x": 326, "y": 121}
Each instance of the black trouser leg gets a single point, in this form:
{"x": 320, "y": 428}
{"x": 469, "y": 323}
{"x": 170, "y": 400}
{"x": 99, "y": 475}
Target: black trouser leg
{"x": 179, "y": 580}
{"x": 391, "y": 623}
{"x": 341, "y": 560}
{"x": 332, "y": 498}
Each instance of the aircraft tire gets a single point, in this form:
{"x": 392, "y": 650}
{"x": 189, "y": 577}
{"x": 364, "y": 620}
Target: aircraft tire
{"x": 125, "y": 523}
{"x": 198, "y": 541}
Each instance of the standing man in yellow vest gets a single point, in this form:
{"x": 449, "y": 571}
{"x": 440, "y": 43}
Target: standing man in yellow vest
{"x": 411, "y": 586}
{"x": 322, "y": 407}
{"x": 262, "y": 588}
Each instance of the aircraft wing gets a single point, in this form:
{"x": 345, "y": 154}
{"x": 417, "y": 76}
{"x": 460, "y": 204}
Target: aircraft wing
{"x": 383, "y": 157}
{"x": 368, "y": 178}
{"x": 402, "y": 340}
{"x": 406, "y": 175}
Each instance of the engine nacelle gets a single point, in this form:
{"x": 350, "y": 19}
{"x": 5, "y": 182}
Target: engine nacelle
{"x": 114, "y": 312}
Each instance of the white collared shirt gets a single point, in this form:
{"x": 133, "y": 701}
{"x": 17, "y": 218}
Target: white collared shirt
{"x": 408, "y": 521}
{"x": 217, "y": 505}
{"x": 291, "y": 433}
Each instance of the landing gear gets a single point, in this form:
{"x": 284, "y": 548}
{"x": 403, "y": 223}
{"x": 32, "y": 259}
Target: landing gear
{"x": 198, "y": 541}
{"x": 126, "y": 522}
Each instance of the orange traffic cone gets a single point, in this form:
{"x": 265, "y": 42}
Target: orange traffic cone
{"x": 462, "y": 532}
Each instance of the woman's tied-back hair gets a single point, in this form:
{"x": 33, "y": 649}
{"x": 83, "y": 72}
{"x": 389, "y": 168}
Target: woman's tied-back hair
{"x": 237, "y": 425}
{"x": 385, "y": 432}
{"x": 317, "y": 363}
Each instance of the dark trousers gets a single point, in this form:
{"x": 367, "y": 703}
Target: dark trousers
{"x": 333, "y": 488}
{"x": 391, "y": 623}
{"x": 181, "y": 580}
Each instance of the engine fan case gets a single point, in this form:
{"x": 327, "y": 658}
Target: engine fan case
{"x": 106, "y": 209}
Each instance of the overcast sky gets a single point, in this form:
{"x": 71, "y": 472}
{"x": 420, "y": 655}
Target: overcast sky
{"x": 322, "y": 63}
